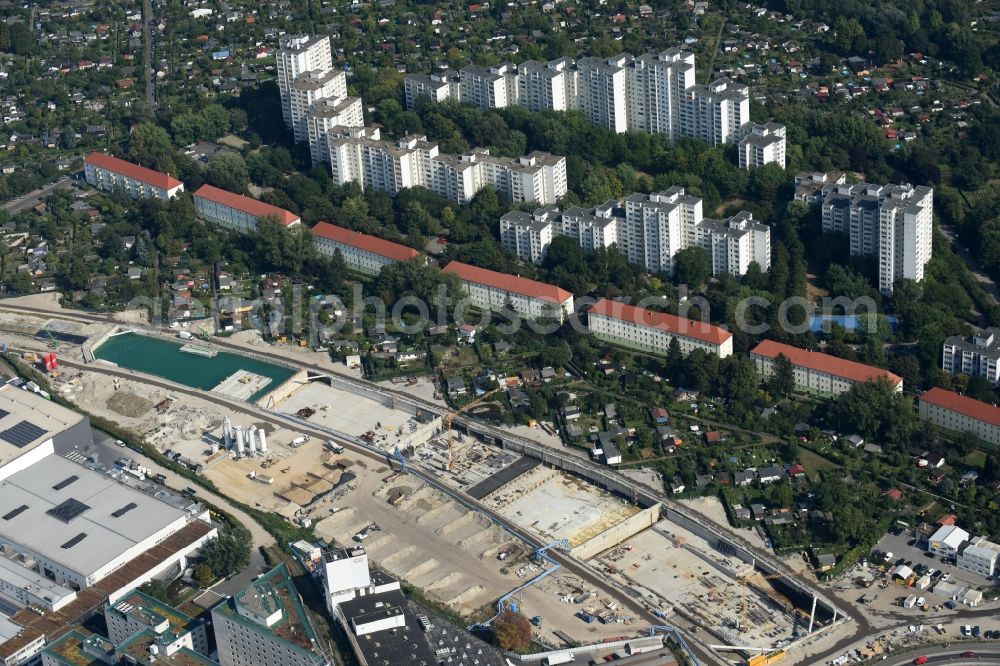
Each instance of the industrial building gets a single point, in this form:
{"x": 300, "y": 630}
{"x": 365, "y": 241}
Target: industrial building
{"x": 361, "y": 252}
{"x": 346, "y": 576}
{"x": 266, "y": 624}
{"x": 651, "y": 331}
{"x": 959, "y": 413}
{"x": 820, "y": 373}
{"x": 71, "y": 536}
{"x": 490, "y": 290}
{"x": 113, "y": 174}
{"x": 947, "y": 540}
{"x": 980, "y": 557}
{"x": 235, "y": 211}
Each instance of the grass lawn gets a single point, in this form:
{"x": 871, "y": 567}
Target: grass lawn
{"x": 975, "y": 459}
{"x": 815, "y": 463}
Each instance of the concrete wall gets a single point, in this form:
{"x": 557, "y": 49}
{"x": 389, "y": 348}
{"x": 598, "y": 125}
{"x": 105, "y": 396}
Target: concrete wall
{"x": 614, "y": 535}
{"x": 282, "y": 391}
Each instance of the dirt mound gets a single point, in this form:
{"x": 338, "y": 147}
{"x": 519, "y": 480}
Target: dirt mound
{"x": 129, "y": 404}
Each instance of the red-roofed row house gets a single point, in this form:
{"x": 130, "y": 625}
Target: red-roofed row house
{"x": 361, "y": 252}
{"x": 817, "y": 372}
{"x": 958, "y": 413}
{"x": 236, "y": 211}
{"x": 652, "y": 331}
{"x": 111, "y": 173}
{"x": 490, "y": 290}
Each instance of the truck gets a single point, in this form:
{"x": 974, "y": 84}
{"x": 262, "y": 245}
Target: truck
{"x": 910, "y": 601}
{"x": 185, "y": 335}
{"x": 559, "y": 658}
{"x": 333, "y": 446}
{"x": 264, "y": 478}
{"x": 299, "y": 441}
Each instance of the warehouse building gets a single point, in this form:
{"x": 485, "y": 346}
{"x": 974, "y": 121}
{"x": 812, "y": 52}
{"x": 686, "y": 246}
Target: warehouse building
{"x": 113, "y": 174}
{"x": 947, "y": 541}
{"x": 490, "y": 290}
{"x": 235, "y": 211}
{"x": 958, "y": 413}
{"x": 820, "y": 373}
{"x": 652, "y": 331}
{"x": 361, "y": 252}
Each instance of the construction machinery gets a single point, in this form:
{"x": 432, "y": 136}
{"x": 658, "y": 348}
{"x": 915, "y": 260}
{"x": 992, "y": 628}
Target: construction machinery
{"x": 447, "y": 419}
{"x": 541, "y": 556}
{"x": 204, "y": 335}
{"x": 401, "y": 459}
{"x": 53, "y": 343}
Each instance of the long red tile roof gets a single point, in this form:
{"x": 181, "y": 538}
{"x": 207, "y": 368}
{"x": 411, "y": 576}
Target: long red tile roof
{"x": 672, "y": 324}
{"x": 982, "y": 411}
{"x": 833, "y": 365}
{"x": 133, "y": 171}
{"x": 511, "y": 283}
{"x": 246, "y": 204}
{"x": 356, "y": 239}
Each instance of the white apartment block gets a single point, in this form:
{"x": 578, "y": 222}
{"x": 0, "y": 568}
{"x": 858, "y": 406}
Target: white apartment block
{"x": 490, "y": 290}
{"x": 816, "y": 372}
{"x": 658, "y": 84}
{"x": 306, "y": 91}
{"x": 600, "y": 226}
{"x": 602, "y": 91}
{"x": 893, "y": 223}
{"x": 976, "y": 356}
{"x": 655, "y": 228}
{"x": 327, "y": 115}
{"x": 733, "y": 244}
{"x": 717, "y": 112}
{"x": 958, "y": 413}
{"x": 436, "y": 87}
{"x": 113, "y": 174}
{"x": 296, "y": 56}
{"x": 547, "y": 86}
{"x": 525, "y": 236}
{"x": 654, "y": 93}
{"x": 361, "y": 252}
{"x": 360, "y": 155}
{"x": 651, "y": 331}
{"x": 762, "y": 144}
{"x": 237, "y": 212}
{"x": 488, "y": 87}
{"x": 649, "y": 229}
{"x": 980, "y": 557}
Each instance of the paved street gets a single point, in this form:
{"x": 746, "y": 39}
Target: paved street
{"x": 31, "y": 199}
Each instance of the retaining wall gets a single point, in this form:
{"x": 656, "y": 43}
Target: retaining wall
{"x": 615, "y": 534}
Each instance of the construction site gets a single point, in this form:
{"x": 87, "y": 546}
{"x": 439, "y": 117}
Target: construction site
{"x": 455, "y": 555}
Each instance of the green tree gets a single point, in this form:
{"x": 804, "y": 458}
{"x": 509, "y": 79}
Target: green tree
{"x": 876, "y": 411}
{"x": 204, "y": 575}
{"x": 782, "y": 381}
{"x": 229, "y": 552}
{"x": 692, "y": 266}
{"x": 229, "y": 171}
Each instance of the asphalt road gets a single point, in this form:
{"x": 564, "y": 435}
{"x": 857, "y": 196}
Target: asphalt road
{"x": 147, "y": 38}
{"x": 985, "y": 280}
{"x": 986, "y": 653}
{"x": 31, "y": 199}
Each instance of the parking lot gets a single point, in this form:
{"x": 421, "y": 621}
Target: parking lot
{"x": 917, "y": 554}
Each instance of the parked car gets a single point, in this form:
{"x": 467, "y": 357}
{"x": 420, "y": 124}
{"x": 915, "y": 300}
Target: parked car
{"x": 922, "y": 659}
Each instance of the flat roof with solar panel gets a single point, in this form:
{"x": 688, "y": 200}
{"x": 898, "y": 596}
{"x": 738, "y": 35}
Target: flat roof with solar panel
{"x": 28, "y": 421}
{"x": 82, "y": 521}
